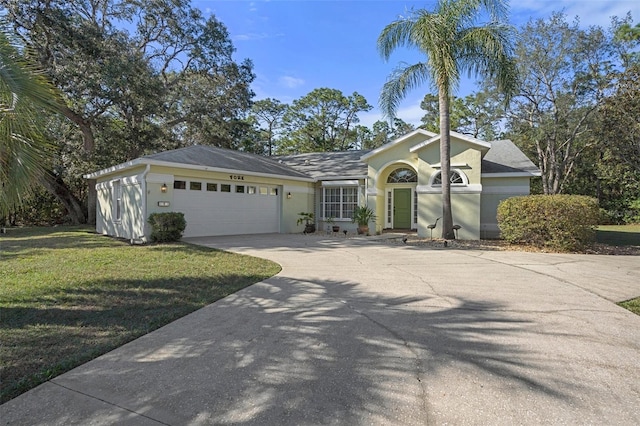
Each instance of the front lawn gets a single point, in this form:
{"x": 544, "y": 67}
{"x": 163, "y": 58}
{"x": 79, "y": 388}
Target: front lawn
{"x": 632, "y": 305}
{"x": 68, "y": 295}
{"x": 619, "y": 235}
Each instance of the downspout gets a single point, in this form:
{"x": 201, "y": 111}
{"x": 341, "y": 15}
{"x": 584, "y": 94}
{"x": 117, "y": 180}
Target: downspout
{"x": 143, "y": 237}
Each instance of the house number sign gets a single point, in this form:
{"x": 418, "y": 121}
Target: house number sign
{"x": 236, "y": 177}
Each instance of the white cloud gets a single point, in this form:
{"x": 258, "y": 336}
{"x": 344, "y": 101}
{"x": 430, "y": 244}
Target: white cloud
{"x": 409, "y": 112}
{"x": 290, "y": 82}
{"x": 251, "y": 36}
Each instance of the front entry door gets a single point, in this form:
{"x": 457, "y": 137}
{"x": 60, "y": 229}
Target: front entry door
{"x": 402, "y": 208}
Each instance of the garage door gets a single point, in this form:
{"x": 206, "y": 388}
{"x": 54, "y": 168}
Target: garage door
{"x": 222, "y": 208}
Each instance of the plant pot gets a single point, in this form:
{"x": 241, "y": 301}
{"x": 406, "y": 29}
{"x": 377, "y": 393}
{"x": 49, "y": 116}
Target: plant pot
{"x": 363, "y": 229}
{"x": 336, "y": 228}
{"x": 309, "y": 228}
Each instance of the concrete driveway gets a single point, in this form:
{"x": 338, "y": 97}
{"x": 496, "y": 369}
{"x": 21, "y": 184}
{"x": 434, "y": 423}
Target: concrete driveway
{"x": 358, "y": 331}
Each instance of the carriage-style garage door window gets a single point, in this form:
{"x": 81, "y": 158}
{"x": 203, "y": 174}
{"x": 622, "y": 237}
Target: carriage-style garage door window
{"x": 339, "y": 202}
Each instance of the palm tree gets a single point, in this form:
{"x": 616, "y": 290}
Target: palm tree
{"x": 24, "y": 95}
{"x": 453, "y": 44}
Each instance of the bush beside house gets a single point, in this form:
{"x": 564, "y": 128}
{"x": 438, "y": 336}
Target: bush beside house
{"x": 166, "y": 227}
{"x": 558, "y": 222}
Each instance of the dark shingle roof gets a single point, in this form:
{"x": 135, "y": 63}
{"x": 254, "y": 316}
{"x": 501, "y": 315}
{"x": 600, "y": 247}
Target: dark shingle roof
{"x": 209, "y": 156}
{"x": 328, "y": 165}
{"x": 505, "y": 157}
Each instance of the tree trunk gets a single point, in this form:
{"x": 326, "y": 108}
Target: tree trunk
{"x": 445, "y": 164}
{"x": 74, "y": 207}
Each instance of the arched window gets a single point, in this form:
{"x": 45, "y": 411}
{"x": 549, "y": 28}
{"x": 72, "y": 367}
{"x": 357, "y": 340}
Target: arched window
{"x": 402, "y": 175}
{"x": 455, "y": 178}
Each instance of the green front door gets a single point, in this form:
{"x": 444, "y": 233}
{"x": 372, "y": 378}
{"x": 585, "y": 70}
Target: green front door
{"x": 402, "y": 208}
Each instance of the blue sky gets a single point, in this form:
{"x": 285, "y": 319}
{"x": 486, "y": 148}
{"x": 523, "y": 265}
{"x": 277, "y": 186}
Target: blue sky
{"x": 297, "y": 46}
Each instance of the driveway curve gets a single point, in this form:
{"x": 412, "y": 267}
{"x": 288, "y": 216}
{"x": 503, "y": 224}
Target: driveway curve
{"x": 361, "y": 331}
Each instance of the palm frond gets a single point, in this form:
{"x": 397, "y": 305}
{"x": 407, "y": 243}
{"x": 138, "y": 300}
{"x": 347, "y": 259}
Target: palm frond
{"x": 396, "y": 34}
{"x": 25, "y": 96}
{"x": 402, "y": 80}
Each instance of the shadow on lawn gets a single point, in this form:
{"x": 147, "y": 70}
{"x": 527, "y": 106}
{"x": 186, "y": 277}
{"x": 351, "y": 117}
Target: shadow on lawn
{"x": 618, "y": 238}
{"x": 65, "y": 330}
{"x": 316, "y": 352}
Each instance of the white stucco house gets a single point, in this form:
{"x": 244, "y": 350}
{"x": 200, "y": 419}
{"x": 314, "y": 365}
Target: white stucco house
{"x": 225, "y": 192}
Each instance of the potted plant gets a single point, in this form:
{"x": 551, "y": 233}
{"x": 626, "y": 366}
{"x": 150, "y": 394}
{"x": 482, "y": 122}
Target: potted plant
{"x": 332, "y": 222}
{"x": 307, "y": 218}
{"x": 362, "y": 215}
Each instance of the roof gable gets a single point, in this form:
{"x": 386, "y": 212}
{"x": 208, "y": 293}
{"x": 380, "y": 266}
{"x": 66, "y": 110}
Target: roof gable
{"x": 506, "y": 157}
{"x": 398, "y": 141}
{"x": 482, "y": 145}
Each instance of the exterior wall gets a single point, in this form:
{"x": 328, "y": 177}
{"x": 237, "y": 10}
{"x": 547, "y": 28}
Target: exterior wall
{"x": 495, "y": 190}
{"x": 301, "y": 199}
{"x": 466, "y": 200}
{"x": 465, "y": 210}
{"x": 131, "y": 225}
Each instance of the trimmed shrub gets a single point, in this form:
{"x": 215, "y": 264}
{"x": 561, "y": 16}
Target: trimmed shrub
{"x": 558, "y": 222}
{"x": 166, "y": 227}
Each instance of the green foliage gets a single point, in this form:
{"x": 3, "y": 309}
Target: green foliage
{"x": 68, "y": 295}
{"x": 166, "y": 227}
{"x": 305, "y": 217}
{"x": 484, "y": 51}
{"x": 362, "y": 215}
{"x": 558, "y": 222}
{"x": 632, "y": 305}
{"x": 166, "y": 81}
{"x": 477, "y": 115}
{"x": 553, "y": 117}
{"x": 321, "y": 121}
{"x": 268, "y": 114}
{"x": 25, "y": 94}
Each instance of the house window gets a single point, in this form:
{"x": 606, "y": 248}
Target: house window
{"x": 225, "y": 187}
{"x": 239, "y": 189}
{"x": 117, "y": 200}
{"x": 415, "y": 206}
{"x": 251, "y": 189}
{"x": 273, "y": 191}
{"x": 211, "y": 187}
{"x": 455, "y": 178}
{"x": 264, "y": 190}
{"x": 179, "y": 184}
{"x": 195, "y": 186}
{"x": 402, "y": 175}
{"x": 339, "y": 202}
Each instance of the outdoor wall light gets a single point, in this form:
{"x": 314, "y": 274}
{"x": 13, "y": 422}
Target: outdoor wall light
{"x": 288, "y": 195}
{"x": 163, "y": 188}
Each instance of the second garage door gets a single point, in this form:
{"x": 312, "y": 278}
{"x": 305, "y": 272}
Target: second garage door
{"x": 221, "y": 208}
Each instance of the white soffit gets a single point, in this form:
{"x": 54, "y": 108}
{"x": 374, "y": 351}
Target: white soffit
{"x": 340, "y": 183}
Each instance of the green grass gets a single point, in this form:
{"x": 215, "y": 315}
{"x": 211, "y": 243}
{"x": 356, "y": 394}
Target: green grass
{"x": 633, "y": 305}
{"x": 619, "y": 235}
{"x": 68, "y": 295}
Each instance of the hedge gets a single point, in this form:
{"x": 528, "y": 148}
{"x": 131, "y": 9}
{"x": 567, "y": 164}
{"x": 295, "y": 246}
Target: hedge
{"x": 166, "y": 227}
{"x": 558, "y": 222}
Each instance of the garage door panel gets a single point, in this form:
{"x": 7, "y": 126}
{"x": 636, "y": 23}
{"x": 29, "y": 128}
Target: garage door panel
{"x": 221, "y": 213}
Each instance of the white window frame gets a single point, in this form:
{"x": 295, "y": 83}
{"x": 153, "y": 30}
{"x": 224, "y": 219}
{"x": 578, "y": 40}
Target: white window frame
{"x": 342, "y": 203}
{"x": 388, "y": 203}
{"x": 465, "y": 179}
